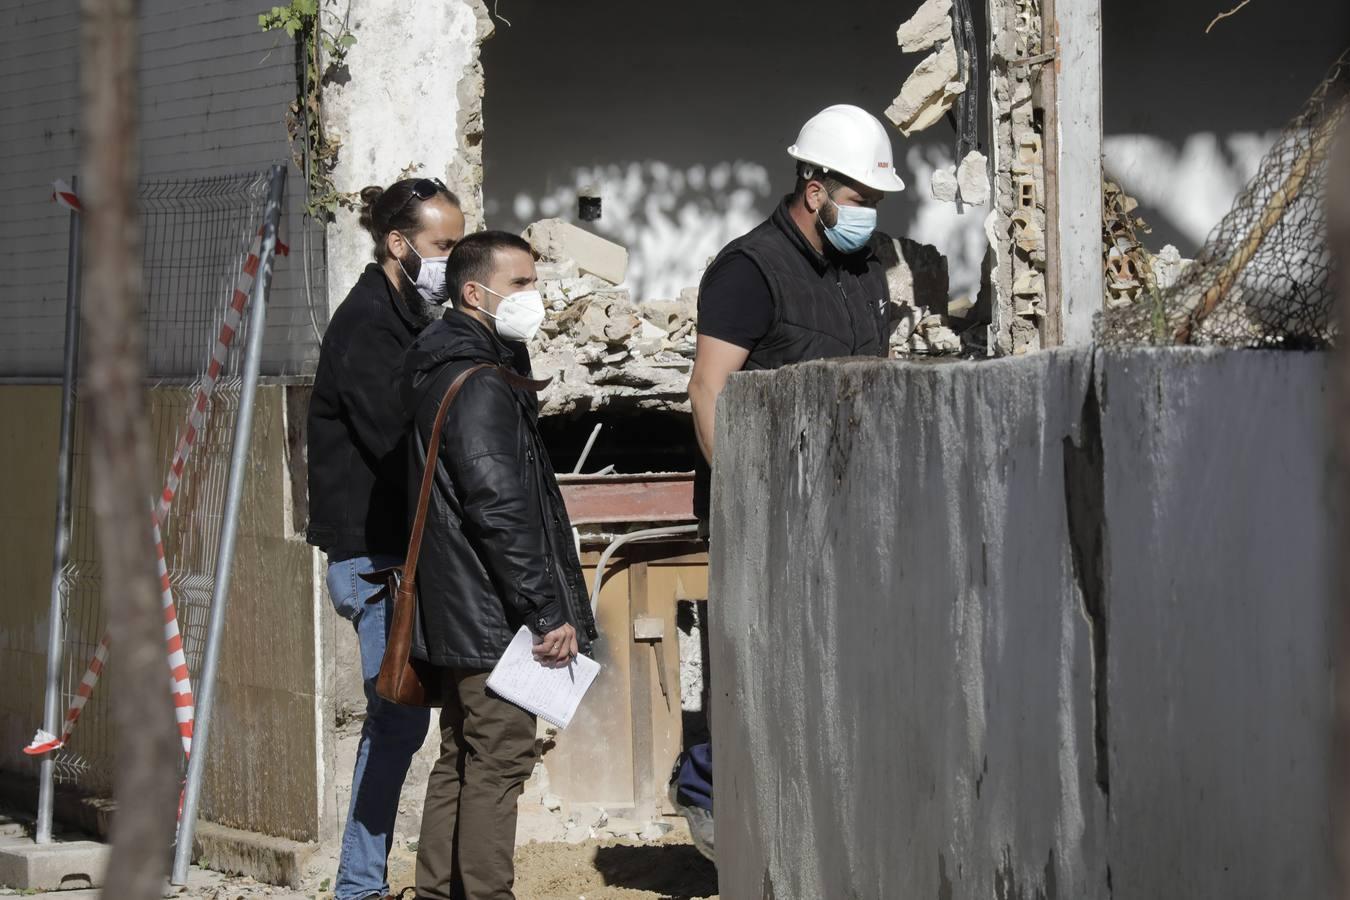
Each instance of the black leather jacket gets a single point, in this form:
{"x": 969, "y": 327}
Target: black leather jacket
{"x": 498, "y": 550}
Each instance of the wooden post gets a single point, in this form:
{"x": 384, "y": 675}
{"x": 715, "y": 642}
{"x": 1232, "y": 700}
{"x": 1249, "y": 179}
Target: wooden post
{"x": 1052, "y": 327}
{"x": 1072, "y": 89}
{"x": 147, "y": 749}
{"x": 645, "y": 785}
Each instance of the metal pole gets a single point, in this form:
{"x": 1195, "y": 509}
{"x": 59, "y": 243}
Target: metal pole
{"x": 586, "y": 451}
{"x": 243, "y": 428}
{"x": 51, "y": 715}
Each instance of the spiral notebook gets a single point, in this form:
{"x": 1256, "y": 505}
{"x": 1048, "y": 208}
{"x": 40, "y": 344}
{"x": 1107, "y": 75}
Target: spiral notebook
{"x": 551, "y": 694}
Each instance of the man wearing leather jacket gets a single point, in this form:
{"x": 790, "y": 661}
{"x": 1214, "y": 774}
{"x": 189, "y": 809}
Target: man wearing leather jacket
{"x": 497, "y": 554}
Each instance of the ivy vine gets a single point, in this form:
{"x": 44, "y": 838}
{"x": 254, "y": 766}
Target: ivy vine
{"x": 322, "y": 39}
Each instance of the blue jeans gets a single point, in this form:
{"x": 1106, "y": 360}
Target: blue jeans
{"x": 695, "y": 777}
{"x": 389, "y": 738}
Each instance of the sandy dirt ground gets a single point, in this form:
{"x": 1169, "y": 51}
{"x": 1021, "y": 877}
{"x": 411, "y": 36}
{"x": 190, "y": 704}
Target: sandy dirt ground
{"x": 667, "y": 869}
{"x": 614, "y": 870}
{"x": 670, "y": 869}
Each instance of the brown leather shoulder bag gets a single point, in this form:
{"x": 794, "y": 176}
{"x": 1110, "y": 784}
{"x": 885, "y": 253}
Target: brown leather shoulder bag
{"x": 403, "y": 678}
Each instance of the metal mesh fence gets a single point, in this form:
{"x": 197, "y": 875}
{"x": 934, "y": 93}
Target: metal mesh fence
{"x": 197, "y": 234}
{"x": 1262, "y": 278}
{"x": 197, "y": 237}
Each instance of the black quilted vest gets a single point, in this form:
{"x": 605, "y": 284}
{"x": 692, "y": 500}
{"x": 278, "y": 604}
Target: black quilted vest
{"x": 824, "y": 306}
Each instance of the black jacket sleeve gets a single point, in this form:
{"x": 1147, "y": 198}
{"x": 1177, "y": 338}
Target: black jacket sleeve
{"x": 484, "y": 450}
{"x": 367, "y": 370}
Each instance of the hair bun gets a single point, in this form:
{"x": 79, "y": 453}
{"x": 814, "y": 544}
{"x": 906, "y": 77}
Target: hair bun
{"x": 369, "y": 197}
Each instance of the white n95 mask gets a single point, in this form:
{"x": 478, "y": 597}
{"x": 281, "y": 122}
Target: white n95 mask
{"x": 518, "y": 316}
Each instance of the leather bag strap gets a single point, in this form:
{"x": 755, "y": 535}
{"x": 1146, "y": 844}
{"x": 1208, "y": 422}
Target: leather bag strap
{"x": 409, "y": 579}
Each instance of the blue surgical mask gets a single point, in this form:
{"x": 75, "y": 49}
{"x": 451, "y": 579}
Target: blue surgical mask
{"x": 853, "y": 226}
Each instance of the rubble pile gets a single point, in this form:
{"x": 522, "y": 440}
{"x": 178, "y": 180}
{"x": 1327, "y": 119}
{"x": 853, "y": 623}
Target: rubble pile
{"x": 600, "y": 347}
{"x": 917, "y": 282}
{"x": 603, "y": 349}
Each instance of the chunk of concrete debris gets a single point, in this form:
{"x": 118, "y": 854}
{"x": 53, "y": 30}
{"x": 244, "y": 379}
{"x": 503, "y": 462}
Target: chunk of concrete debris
{"x": 1168, "y": 267}
{"x": 928, "y": 92}
{"x": 973, "y": 178}
{"x": 607, "y": 322}
{"x": 556, "y": 240}
{"x": 590, "y": 354}
{"x": 930, "y": 23}
{"x": 961, "y": 308}
{"x": 654, "y": 831}
{"x": 944, "y": 184}
{"x": 556, "y": 270}
{"x": 650, "y": 339}
{"x": 669, "y": 315}
{"x": 569, "y": 290}
{"x": 623, "y": 828}
{"x": 932, "y": 335}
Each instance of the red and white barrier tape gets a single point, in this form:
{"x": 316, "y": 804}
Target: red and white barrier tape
{"x": 64, "y": 196}
{"x": 184, "y": 710}
{"x": 181, "y": 686}
{"x": 197, "y": 412}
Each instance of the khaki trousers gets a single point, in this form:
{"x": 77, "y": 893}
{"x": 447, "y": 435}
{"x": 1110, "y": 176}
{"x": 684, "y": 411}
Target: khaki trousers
{"x": 468, "y": 835}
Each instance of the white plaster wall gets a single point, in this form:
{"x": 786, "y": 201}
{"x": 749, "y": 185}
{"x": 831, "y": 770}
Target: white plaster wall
{"x": 402, "y": 111}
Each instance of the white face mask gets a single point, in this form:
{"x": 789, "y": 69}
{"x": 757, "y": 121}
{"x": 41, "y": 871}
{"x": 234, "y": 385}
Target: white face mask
{"x": 518, "y": 316}
{"x": 430, "y": 280}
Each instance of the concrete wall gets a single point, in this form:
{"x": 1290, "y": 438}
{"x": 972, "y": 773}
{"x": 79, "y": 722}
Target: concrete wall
{"x": 1217, "y": 573}
{"x": 266, "y": 770}
{"x": 29, "y": 430}
{"x": 1051, "y": 627}
{"x": 214, "y": 93}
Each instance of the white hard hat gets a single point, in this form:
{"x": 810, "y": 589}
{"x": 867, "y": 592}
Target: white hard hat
{"x": 851, "y": 141}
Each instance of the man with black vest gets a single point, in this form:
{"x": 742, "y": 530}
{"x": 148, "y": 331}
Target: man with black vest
{"x": 805, "y": 284}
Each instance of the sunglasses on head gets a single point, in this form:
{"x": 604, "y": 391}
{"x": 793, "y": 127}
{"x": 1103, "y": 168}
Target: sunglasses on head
{"x": 423, "y": 189}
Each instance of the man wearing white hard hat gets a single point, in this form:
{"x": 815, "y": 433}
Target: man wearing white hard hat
{"x": 804, "y": 284}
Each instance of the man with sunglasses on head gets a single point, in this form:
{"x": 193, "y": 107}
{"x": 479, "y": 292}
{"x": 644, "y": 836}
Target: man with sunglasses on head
{"x": 357, "y": 484}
